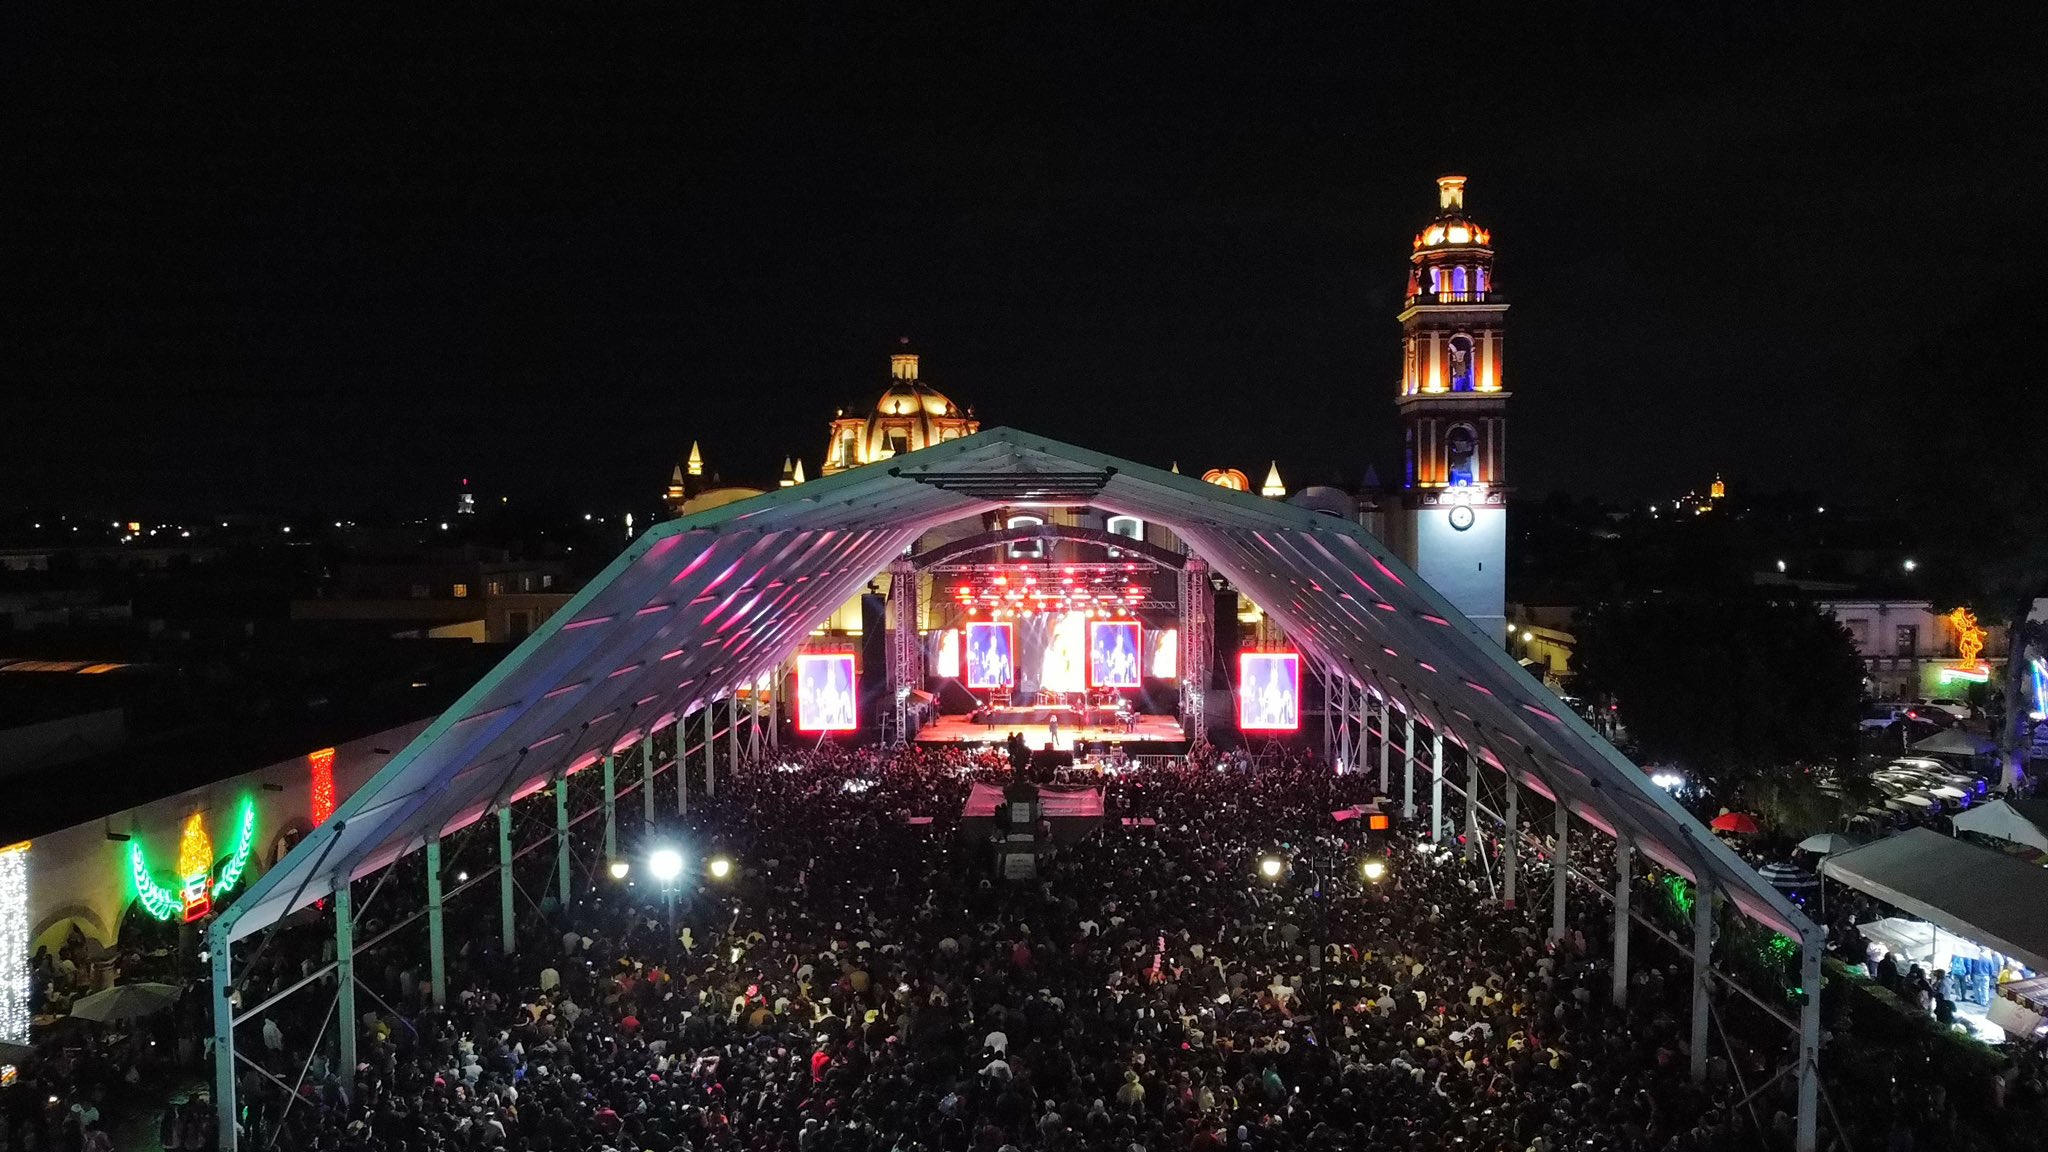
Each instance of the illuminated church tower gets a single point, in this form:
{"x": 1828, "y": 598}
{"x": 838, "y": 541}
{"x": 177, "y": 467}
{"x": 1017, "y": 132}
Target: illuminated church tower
{"x": 1449, "y": 521}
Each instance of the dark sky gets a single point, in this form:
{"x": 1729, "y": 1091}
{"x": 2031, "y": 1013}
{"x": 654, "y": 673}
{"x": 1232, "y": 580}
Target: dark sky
{"x": 326, "y": 254}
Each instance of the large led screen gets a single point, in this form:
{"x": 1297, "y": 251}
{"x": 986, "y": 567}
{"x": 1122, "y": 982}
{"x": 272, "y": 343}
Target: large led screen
{"x": 1113, "y": 653}
{"x": 1164, "y": 663}
{"x": 1063, "y": 663}
{"x": 991, "y": 655}
{"x": 825, "y": 691}
{"x": 946, "y": 653}
{"x": 1268, "y": 691}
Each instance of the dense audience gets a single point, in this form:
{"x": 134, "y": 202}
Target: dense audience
{"x": 865, "y": 981}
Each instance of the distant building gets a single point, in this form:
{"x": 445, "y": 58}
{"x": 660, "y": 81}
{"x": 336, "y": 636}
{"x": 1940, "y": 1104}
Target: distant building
{"x": 453, "y": 593}
{"x": 1907, "y": 644}
{"x": 909, "y": 415}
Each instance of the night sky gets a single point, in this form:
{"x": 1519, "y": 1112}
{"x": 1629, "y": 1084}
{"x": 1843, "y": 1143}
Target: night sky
{"x": 321, "y": 255}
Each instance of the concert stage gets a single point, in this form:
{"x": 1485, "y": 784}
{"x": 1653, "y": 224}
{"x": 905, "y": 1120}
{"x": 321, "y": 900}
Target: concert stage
{"x": 967, "y": 730}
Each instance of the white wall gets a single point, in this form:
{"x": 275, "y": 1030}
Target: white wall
{"x": 1469, "y": 568}
{"x": 79, "y": 876}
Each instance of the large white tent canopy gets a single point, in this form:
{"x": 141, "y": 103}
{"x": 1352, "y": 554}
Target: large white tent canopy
{"x": 703, "y": 604}
{"x": 1979, "y": 894}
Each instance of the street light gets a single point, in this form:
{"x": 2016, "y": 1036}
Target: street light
{"x": 1374, "y": 870}
{"x": 720, "y": 868}
{"x": 1271, "y": 867}
{"x": 619, "y": 869}
{"x": 665, "y": 864}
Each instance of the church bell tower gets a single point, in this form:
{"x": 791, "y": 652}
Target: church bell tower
{"x": 1450, "y": 518}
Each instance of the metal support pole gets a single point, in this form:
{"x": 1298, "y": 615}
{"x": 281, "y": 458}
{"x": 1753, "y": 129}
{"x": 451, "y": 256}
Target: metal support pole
{"x": 732, "y": 733}
{"x": 682, "y": 765}
{"x": 1344, "y": 750}
{"x": 506, "y": 940}
{"x": 1702, "y": 973}
{"x": 1436, "y": 787}
{"x": 1408, "y": 765}
{"x": 1511, "y": 844}
{"x": 1471, "y": 803}
{"x": 1333, "y": 717}
{"x": 647, "y": 781}
{"x": 437, "y": 943}
{"x": 1807, "y": 1133}
{"x": 775, "y": 711}
{"x": 611, "y": 809}
{"x": 345, "y": 980}
{"x": 223, "y": 1038}
{"x": 1621, "y": 895}
{"x": 1386, "y": 745}
{"x": 710, "y": 750}
{"x": 562, "y": 839}
{"x": 1560, "y": 865}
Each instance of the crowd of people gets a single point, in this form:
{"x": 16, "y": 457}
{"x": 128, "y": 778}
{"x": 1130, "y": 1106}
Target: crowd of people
{"x": 862, "y": 980}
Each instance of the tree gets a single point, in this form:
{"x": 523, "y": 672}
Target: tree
{"x": 1969, "y": 415}
{"x": 1730, "y": 687}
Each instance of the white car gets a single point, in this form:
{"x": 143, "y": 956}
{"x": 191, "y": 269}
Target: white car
{"x": 1952, "y": 706}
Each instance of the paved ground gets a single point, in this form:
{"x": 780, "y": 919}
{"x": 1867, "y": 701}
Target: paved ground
{"x": 134, "y": 1122}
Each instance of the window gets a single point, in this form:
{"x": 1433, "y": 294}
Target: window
{"x": 461, "y": 591}
{"x": 1129, "y": 527}
{"x": 1461, "y": 446}
{"x": 1461, "y": 362}
{"x": 526, "y": 583}
{"x": 494, "y": 588}
{"x": 1907, "y": 639}
{"x": 1026, "y": 549}
{"x": 547, "y": 580}
{"x": 421, "y": 592}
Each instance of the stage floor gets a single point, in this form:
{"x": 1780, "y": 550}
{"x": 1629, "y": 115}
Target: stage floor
{"x": 963, "y": 730}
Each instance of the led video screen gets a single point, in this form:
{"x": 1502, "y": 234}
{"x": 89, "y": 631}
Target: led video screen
{"x": 1164, "y": 663}
{"x": 1113, "y": 653}
{"x": 825, "y": 690}
{"x": 1268, "y": 691}
{"x": 1063, "y": 659}
{"x": 946, "y": 653}
{"x": 991, "y": 655}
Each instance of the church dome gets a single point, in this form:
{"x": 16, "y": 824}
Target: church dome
{"x": 1452, "y": 228}
{"x": 909, "y": 415}
{"x": 908, "y": 398}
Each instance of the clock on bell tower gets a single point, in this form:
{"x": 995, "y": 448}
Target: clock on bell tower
{"x": 1450, "y": 519}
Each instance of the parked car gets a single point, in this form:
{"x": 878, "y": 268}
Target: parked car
{"x": 1883, "y": 714}
{"x": 1952, "y": 706}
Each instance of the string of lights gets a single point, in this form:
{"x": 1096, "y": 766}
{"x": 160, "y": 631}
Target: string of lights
{"x": 14, "y": 941}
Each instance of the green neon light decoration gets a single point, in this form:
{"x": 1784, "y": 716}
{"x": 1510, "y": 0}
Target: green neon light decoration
{"x": 231, "y": 872}
{"x": 195, "y": 900}
{"x": 156, "y": 900}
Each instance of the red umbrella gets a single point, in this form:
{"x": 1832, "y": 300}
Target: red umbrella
{"x": 1740, "y": 822}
